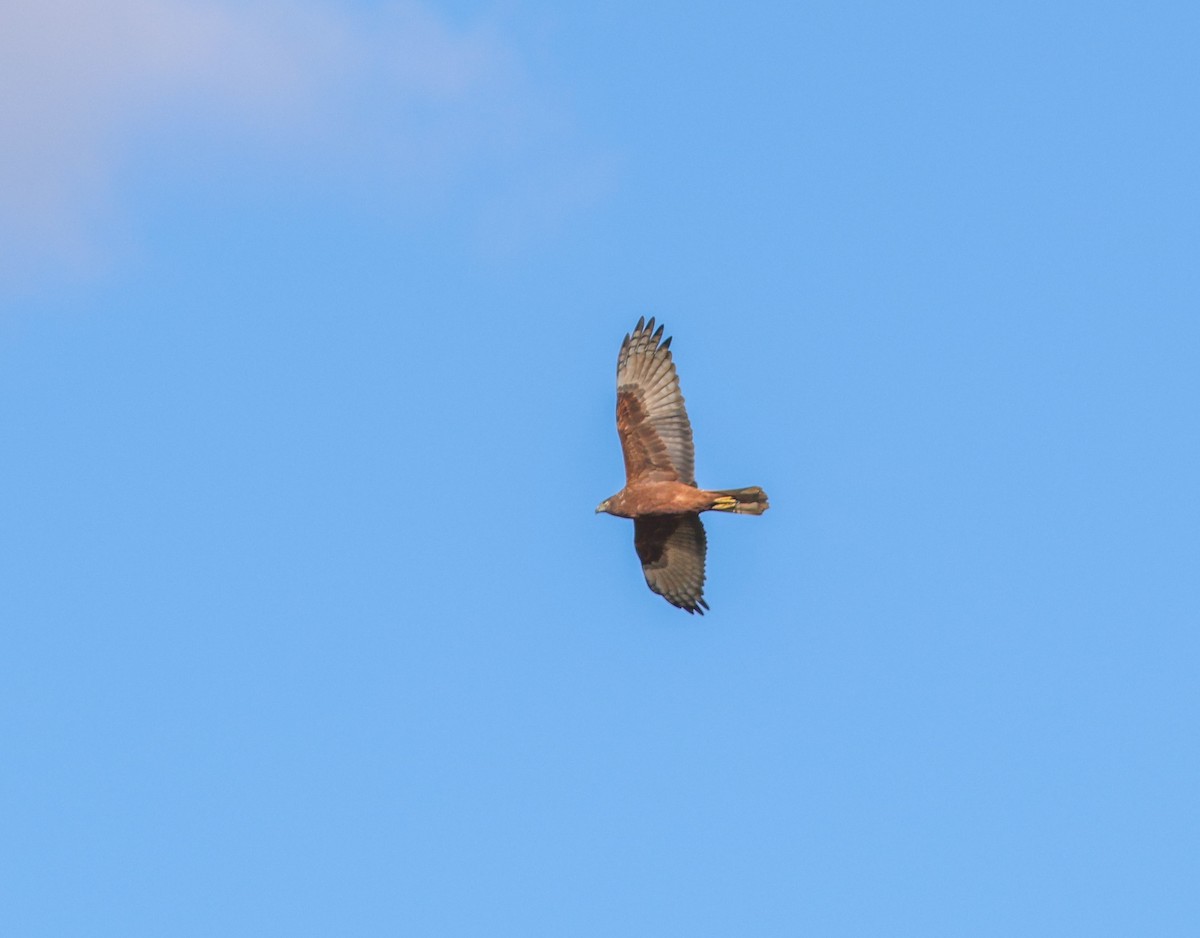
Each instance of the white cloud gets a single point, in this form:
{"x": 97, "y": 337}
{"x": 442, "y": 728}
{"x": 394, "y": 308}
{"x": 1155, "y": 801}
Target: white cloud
{"x": 80, "y": 78}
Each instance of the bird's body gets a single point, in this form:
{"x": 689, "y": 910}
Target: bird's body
{"x": 660, "y": 493}
{"x": 658, "y": 498}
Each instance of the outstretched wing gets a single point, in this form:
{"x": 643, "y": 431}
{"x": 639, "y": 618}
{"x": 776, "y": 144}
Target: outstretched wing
{"x": 656, "y": 436}
{"x": 672, "y": 549}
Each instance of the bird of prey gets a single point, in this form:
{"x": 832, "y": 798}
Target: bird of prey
{"x": 660, "y": 493}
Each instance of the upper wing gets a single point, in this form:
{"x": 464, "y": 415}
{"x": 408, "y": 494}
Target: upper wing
{"x": 672, "y": 549}
{"x": 656, "y": 436}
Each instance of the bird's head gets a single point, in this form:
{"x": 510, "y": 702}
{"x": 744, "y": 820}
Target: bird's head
{"x": 603, "y": 506}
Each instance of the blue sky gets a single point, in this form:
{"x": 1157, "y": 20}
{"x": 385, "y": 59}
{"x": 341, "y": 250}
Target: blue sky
{"x": 308, "y": 324}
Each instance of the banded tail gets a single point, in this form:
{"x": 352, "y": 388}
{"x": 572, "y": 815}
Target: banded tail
{"x": 747, "y": 501}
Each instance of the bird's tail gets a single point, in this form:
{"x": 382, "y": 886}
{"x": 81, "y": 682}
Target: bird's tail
{"x": 747, "y": 501}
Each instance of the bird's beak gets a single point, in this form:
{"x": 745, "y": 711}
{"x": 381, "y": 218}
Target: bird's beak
{"x": 600, "y": 508}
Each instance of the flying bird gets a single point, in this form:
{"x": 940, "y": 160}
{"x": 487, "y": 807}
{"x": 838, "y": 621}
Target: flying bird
{"x": 660, "y": 493}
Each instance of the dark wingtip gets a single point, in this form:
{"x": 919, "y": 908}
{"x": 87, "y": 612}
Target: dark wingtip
{"x": 694, "y": 609}
{"x": 641, "y": 325}
{"x": 666, "y": 344}
{"x": 650, "y": 325}
{"x": 658, "y": 333}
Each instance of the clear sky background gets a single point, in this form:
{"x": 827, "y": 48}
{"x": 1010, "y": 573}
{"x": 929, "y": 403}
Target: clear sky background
{"x": 309, "y": 315}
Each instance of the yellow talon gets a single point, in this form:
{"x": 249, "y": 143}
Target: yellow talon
{"x": 724, "y": 503}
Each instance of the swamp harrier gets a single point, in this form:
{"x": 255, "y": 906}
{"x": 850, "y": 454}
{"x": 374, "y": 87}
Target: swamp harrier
{"x": 660, "y": 493}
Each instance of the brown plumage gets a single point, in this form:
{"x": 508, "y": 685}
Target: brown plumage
{"x": 660, "y": 493}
